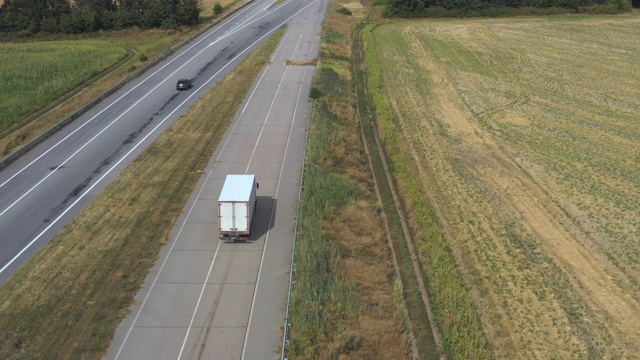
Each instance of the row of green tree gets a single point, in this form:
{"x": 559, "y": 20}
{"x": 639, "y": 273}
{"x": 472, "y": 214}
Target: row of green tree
{"x": 81, "y": 16}
{"x": 444, "y": 8}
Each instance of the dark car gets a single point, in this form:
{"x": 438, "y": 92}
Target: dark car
{"x": 184, "y": 84}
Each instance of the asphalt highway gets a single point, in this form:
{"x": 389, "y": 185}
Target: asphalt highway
{"x": 203, "y": 299}
{"x": 45, "y": 188}
{"x": 208, "y": 299}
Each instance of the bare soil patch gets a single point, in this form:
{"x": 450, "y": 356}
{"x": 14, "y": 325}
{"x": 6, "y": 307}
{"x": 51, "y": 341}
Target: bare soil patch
{"x": 302, "y": 62}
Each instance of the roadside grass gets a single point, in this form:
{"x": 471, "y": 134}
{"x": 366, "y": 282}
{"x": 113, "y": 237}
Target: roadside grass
{"x": 342, "y": 304}
{"x": 515, "y": 145}
{"x": 207, "y": 6}
{"x": 276, "y": 4}
{"x": 144, "y": 45}
{"x": 68, "y": 300}
{"x": 35, "y": 74}
{"x": 453, "y": 310}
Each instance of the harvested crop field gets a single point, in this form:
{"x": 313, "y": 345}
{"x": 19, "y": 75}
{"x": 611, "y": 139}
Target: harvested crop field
{"x": 524, "y": 135}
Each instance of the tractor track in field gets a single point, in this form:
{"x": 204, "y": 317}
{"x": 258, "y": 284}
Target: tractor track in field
{"x": 409, "y": 241}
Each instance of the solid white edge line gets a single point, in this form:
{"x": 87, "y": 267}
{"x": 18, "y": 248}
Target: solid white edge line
{"x": 141, "y": 141}
{"x": 118, "y": 99}
{"x": 164, "y": 262}
{"x": 271, "y": 220}
{"x": 249, "y": 47}
{"x": 184, "y": 342}
{"x": 295, "y": 229}
{"x": 111, "y": 123}
{"x": 266, "y": 118}
{"x": 204, "y": 285}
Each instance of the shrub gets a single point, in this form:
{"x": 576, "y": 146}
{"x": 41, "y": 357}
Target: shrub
{"x": 624, "y": 5}
{"x": 345, "y": 11}
{"x": 331, "y": 36}
{"x": 187, "y": 13}
{"x": 218, "y": 9}
{"x": 315, "y": 93}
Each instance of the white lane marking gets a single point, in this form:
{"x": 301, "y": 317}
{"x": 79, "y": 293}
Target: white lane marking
{"x": 101, "y": 131}
{"x": 164, "y": 262}
{"x": 136, "y": 146}
{"x": 93, "y": 138}
{"x": 233, "y": 30}
{"x": 271, "y": 220}
{"x": 128, "y": 153}
{"x": 224, "y": 146}
{"x": 120, "y": 98}
{"x": 266, "y": 118}
{"x": 124, "y": 341}
{"x": 193, "y": 316}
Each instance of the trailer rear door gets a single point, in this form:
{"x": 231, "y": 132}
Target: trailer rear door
{"x": 234, "y": 216}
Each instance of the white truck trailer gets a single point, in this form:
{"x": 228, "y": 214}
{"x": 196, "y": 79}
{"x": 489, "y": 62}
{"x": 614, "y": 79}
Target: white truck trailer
{"x": 236, "y": 205}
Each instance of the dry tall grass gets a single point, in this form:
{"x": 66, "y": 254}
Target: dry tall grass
{"x": 342, "y": 305}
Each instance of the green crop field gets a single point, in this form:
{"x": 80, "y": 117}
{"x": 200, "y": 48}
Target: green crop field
{"x": 523, "y": 137}
{"x": 34, "y": 74}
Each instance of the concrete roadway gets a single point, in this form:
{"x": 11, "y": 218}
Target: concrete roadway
{"x": 45, "y": 188}
{"x": 207, "y": 299}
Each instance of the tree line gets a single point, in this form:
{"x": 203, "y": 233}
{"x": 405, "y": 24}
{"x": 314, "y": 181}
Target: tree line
{"x": 455, "y": 8}
{"x": 82, "y": 16}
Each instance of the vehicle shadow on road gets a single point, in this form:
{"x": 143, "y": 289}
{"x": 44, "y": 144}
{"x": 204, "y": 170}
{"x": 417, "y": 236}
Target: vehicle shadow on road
{"x": 265, "y": 211}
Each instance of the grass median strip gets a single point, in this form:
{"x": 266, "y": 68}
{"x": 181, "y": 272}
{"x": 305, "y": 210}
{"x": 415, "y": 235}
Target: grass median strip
{"x": 67, "y": 301}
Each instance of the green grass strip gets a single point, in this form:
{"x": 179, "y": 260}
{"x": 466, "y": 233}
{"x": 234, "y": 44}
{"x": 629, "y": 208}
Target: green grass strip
{"x": 320, "y": 298}
{"x": 68, "y": 300}
{"x": 453, "y": 308}
{"x": 412, "y": 298}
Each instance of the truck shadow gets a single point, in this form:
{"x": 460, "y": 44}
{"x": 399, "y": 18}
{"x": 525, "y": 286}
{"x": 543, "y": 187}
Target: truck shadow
{"x": 265, "y": 211}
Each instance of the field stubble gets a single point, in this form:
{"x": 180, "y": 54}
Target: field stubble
{"x": 524, "y": 133}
